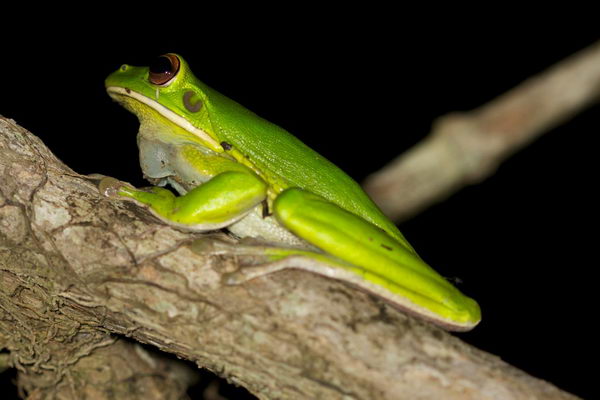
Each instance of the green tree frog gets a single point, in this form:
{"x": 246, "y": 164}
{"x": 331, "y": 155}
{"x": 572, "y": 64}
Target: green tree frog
{"x": 236, "y": 170}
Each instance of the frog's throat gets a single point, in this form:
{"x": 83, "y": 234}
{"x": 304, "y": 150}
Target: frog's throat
{"x": 115, "y": 91}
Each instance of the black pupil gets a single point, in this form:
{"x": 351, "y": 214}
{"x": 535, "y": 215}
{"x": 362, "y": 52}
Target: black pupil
{"x": 160, "y": 65}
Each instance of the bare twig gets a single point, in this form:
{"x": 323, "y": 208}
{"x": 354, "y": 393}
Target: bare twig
{"x": 465, "y": 148}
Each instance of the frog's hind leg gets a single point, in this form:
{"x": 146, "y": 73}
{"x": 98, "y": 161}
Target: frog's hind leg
{"x": 349, "y": 237}
{"x": 379, "y": 259}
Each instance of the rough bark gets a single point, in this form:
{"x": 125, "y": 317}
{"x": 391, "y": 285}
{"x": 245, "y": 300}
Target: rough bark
{"x": 466, "y": 148}
{"x": 79, "y": 271}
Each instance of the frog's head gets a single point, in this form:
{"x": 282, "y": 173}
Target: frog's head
{"x": 166, "y": 92}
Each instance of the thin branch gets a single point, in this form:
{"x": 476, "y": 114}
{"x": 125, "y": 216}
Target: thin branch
{"x": 465, "y": 148}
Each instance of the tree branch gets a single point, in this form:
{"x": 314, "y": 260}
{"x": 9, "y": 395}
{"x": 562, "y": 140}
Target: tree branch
{"x": 76, "y": 269}
{"x": 465, "y": 148}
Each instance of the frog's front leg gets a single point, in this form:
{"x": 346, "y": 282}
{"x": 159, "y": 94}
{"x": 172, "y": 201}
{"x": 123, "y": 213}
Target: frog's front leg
{"x": 224, "y": 199}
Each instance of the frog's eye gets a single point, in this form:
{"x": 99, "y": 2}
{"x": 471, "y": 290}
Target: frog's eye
{"x": 163, "y": 69}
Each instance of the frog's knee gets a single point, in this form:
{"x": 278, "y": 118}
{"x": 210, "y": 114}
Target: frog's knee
{"x": 290, "y": 202}
{"x": 295, "y": 206}
{"x": 289, "y": 197}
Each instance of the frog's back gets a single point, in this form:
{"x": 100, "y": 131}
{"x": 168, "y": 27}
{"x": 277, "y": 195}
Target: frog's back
{"x": 273, "y": 149}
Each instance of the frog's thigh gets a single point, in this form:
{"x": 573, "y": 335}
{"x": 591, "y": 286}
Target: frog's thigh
{"x": 387, "y": 267}
{"x": 350, "y": 237}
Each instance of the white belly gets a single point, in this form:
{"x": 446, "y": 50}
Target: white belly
{"x": 254, "y": 225}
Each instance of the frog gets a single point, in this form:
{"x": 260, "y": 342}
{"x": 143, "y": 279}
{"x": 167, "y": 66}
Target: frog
{"x": 231, "y": 169}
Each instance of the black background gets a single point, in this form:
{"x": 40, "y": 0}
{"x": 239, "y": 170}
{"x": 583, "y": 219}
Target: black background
{"x": 361, "y": 89}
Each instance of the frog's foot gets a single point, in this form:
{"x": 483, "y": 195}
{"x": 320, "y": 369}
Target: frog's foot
{"x": 95, "y": 176}
{"x": 266, "y": 259}
{"x": 258, "y": 258}
{"x": 248, "y": 273}
{"x": 110, "y": 187}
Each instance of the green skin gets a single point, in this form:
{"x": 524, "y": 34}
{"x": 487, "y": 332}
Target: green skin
{"x": 234, "y": 169}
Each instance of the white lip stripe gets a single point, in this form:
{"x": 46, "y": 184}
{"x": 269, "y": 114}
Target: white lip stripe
{"x": 168, "y": 114}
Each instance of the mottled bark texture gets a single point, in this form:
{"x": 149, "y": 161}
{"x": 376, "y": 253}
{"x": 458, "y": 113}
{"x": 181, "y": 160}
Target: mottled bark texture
{"x": 79, "y": 272}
